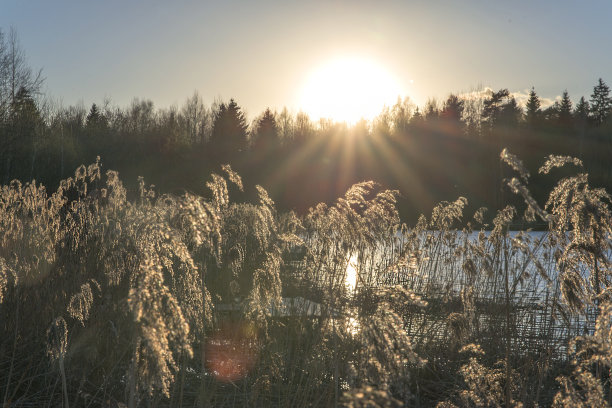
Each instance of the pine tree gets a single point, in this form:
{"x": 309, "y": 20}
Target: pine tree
{"x": 510, "y": 113}
{"x": 23, "y": 132}
{"x": 551, "y": 114}
{"x": 266, "y": 134}
{"x": 417, "y": 118}
{"x": 95, "y": 119}
{"x": 581, "y": 118}
{"x": 229, "y": 135}
{"x": 452, "y": 109}
{"x": 532, "y": 108}
{"x": 451, "y": 116}
{"x": 601, "y": 102}
{"x": 565, "y": 110}
{"x": 581, "y": 113}
{"x": 500, "y": 109}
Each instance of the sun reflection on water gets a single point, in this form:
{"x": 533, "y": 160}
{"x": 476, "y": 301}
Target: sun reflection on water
{"x": 351, "y": 274}
{"x": 351, "y": 283}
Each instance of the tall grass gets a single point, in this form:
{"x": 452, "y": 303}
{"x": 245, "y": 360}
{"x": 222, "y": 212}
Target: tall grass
{"x": 112, "y": 297}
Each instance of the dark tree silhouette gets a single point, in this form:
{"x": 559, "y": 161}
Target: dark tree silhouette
{"x": 581, "y": 119}
{"x": 581, "y": 113}
{"x": 432, "y": 112}
{"x": 511, "y": 113}
{"x": 533, "y": 112}
{"x": 266, "y": 134}
{"x": 493, "y": 106}
{"x": 601, "y": 102}
{"x": 195, "y": 118}
{"x": 229, "y": 135}
{"x": 565, "y": 110}
{"x": 303, "y": 129}
{"x": 265, "y": 155}
{"x": 95, "y": 121}
{"x": 451, "y": 116}
{"x": 22, "y": 138}
{"x": 501, "y": 109}
{"x": 95, "y": 140}
{"x": 417, "y": 119}
{"x": 551, "y": 114}
{"x": 452, "y": 109}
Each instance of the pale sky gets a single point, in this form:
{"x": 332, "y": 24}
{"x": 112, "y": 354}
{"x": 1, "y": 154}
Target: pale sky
{"x": 262, "y": 52}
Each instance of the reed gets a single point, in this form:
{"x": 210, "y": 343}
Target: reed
{"x": 110, "y": 297}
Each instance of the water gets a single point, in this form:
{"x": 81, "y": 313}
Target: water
{"x": 351, "y": 273}
{"x": 440, "y": 272}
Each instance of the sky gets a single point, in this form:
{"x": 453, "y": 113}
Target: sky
{"x": 262, "y": 53}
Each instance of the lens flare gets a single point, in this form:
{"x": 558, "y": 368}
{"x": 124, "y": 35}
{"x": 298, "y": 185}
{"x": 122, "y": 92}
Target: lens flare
{"x": 231, "y": 352}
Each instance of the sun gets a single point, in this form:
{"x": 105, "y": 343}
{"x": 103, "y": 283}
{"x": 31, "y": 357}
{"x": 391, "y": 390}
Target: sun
{"x": 349, "y": 89}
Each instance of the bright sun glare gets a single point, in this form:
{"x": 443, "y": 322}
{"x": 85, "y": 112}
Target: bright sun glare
{"x": 349, "y": 89}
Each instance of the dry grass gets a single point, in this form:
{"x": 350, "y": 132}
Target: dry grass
{"x": 182, "y": 301}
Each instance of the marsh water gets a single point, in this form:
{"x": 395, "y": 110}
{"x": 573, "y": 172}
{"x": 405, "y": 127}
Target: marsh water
{"x": 460, "y": 273}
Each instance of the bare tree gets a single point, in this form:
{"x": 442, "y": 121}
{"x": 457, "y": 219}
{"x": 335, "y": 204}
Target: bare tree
{"x": 14, "y": 71}
{"x": 196, "y": 118}
{"x": 16, "y": 78}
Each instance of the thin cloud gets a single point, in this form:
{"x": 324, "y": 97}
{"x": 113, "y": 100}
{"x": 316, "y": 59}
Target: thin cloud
{"x": 476, "y": 94}
{"x": 520, "y": 96}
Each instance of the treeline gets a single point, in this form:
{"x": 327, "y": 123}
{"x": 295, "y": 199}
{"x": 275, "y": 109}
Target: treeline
{"x": 429, "y": 153}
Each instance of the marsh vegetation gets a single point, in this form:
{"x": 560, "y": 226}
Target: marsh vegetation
{"x": 181, "y": 300}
